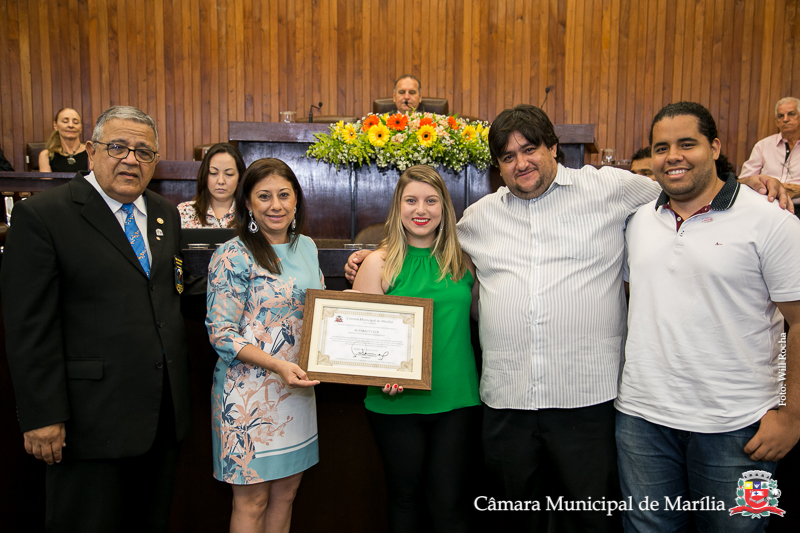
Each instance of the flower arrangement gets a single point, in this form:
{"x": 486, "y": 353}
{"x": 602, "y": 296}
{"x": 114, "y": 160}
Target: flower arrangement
{"x": 404, "y": 140}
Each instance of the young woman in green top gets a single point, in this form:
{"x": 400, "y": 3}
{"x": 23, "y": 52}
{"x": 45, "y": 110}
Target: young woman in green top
{"x": 423, "y": 436}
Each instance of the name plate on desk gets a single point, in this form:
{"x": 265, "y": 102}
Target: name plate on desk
{"x": 367, "y": 339}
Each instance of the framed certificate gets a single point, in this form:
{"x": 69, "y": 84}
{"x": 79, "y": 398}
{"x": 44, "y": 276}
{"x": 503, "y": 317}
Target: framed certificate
{"x": 367, "y": 339}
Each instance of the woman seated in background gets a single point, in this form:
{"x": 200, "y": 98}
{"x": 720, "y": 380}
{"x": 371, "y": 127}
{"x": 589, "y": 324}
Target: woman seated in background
{"x": 264, "y": 416}
{"x": 64, "y": 151}
{"x": 425, "y": 437}
{"x": 217, "y": 178}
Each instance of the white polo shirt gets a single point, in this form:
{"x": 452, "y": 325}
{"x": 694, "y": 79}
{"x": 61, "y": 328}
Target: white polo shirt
{"x": 703, "y": 331}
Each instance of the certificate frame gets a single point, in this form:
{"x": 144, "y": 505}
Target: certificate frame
{"x": 320, "y": 303}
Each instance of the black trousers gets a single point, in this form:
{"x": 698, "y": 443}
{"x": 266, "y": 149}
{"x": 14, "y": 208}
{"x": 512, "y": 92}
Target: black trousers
{"x": 120, "y": 495}
{"x": 572, "y": 453}
{"x": 426, "y": 459}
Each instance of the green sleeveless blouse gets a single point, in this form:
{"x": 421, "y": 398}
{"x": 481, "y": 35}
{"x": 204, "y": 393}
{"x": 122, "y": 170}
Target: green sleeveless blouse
{"x": 454, "y": 378}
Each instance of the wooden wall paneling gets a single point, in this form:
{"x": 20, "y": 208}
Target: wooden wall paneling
{"x": 360, "y": 53}
{"x": 706, "y": 53}
{"x": 603, "y": 82}
{"x": 421, "y": 48}
{"x": 132, "y": 54}
{"x": 623, "y": 86}
{"x": 455, "y": 18}
{"x": 789, "y": 45}
{"x": 181, "y": 150}
{"x": 583, "y": 59}
{"x": 223, "y": 77}
{"x": 716, "y": 60}
{"x": 49, "y": 64}
{"x": 241, "y": 89}
{"x": 736, "y": 67}
{"x": 69, "y": 12}
{"x": 112, "y": 45}
{"x": 756, "y": 86}
{"x": 25, "y": 68}
{"x": 38, "y": 43}
{"x": 170, "y": 86}
{"x": 590, "y": 108}
{"x": 627, "y": 71}
{"x": 795, "y": 67}
{"x": 463, "y": 84}
{"x": 775, "y": 64}
{"x": 15, "y": 81}
{"x": 569, "y": 64}
{"x": 251, "y": 15}
{"x": 195, "y": 65}
{"x": 484, "y": 62}
{"x": 762, "y": 48}
{"x": 637, "y": 79}
{"x": 725, "y": 98}
{"x": 652, "y": 89}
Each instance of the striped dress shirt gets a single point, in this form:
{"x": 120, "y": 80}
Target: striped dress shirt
{"x": 552, "y": 303}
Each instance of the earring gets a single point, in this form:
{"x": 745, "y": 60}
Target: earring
{"x": 294, "y": 220}
{"x": 253, "y": 227}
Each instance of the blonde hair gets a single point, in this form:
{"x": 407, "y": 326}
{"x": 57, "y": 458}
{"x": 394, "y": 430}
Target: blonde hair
{"x": 53, "y": 144}
{"x": 446, "y": 248}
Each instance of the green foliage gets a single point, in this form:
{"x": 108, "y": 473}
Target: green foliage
{"x": 451, "y": 142}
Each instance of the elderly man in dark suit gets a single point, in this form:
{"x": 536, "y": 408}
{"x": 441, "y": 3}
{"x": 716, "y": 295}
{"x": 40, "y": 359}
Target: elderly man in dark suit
{"x": 91, "y": 285}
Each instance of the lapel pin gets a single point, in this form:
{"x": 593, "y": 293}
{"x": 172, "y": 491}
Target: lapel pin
{"x": 160, "y": 220}
{"x": 159, "y": 232}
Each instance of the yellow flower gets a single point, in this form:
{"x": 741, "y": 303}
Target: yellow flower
{"x": 485, "y": 134}
{"x": 378, "y": 135}
{"x": 349, "y": 133}
{"x": 469, "y": 134}
{"x": 339, "y": 126}
{"x": 479, "y": 128}
{"x": 426, "y": 135}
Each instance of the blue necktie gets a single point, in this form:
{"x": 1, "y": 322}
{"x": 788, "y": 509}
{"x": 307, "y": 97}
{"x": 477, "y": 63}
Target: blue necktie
{"x": 135, "y": 238}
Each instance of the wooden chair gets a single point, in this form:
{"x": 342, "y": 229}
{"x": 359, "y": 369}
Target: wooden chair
{"x": 372, "y": 234}
{"x": 32, "y": 151}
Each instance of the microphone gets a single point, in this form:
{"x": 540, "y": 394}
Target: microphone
{"x": 546, "y": 94}
{"x": 311, "y": 112}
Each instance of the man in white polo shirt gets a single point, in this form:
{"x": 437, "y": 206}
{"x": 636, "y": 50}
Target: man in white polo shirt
{"x": 713, "y": 273}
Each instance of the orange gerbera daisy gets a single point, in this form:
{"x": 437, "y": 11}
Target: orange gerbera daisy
{"x": 426, "y": 135}
{"x": 425, "y": 121}
{"x": 370, "y": 121}
{"x": 452, "y": 122}
{"x": 397, "y": 122}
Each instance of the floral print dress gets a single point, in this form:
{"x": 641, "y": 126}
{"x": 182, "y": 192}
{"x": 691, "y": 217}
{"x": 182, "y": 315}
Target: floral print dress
{"x": 262, "y": 430}
{"x": 189, "y": 216}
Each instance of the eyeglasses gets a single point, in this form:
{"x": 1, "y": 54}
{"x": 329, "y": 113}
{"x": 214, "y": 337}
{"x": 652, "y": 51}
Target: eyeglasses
{"x": 117, "y": 151}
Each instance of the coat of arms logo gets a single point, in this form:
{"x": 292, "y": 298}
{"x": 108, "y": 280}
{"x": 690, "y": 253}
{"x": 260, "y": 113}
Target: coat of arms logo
{"x": 757, "y": 495}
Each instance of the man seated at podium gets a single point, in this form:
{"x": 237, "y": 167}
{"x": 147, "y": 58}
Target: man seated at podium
{"x": 407, "y": 95}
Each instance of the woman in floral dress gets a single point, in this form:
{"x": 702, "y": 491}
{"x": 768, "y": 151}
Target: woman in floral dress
{"x": 264, "y": 412}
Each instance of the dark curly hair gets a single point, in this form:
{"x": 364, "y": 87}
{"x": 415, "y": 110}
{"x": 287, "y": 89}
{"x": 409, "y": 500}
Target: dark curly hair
{"x": 705, "y": 124}
{"x": 531, "y": 122}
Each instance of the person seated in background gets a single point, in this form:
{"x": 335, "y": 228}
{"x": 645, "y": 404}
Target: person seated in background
{"x": 64, "y": 151}
{"x": 217, "y": 178}
{"x": 407, "y": 95}
{"x": 641, "y": 163}
{"x": 778, "y": 155}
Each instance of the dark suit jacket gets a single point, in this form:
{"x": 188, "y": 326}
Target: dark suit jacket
{"x": 89, "y": 336}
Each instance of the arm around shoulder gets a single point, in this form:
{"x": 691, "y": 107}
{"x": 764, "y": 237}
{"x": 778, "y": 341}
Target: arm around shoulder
{"x": 369, "y": 278}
